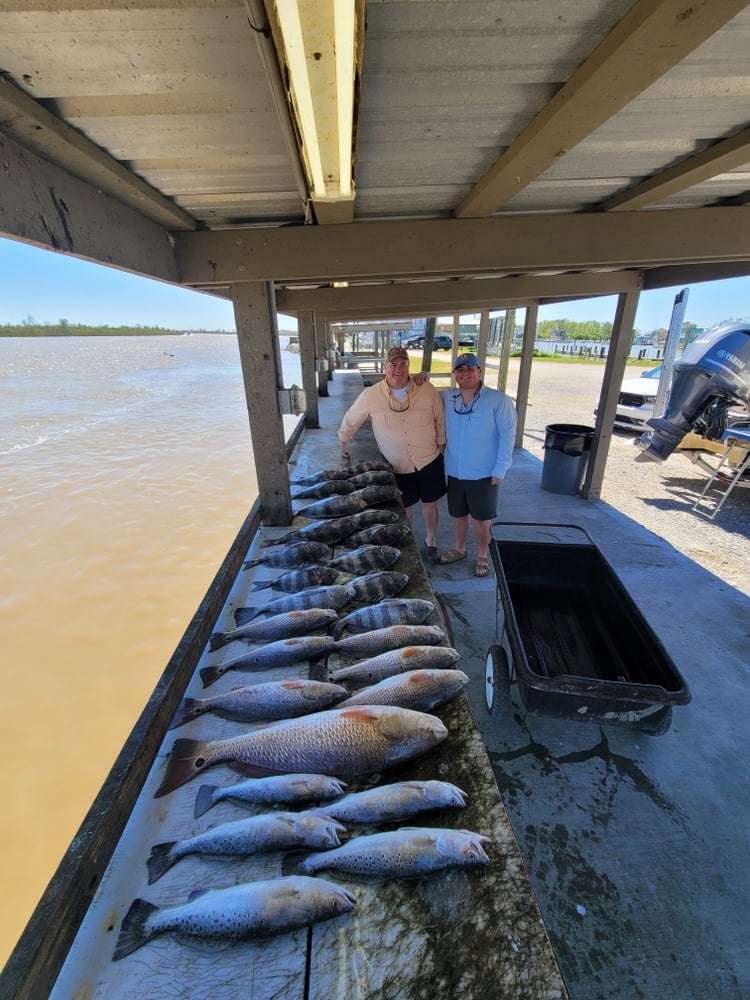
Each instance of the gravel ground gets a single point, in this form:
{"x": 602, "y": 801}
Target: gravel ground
{"x": 660, "y": 496}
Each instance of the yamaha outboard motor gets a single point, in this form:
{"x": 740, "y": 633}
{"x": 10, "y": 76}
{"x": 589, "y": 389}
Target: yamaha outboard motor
{"x": 712, "y": 375}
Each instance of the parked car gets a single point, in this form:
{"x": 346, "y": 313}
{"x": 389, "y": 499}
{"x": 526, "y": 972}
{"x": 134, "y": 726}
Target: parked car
{"x": 635, "y": 403}
{"x": 468, "y": 340}
{"x": 439, "y": 343}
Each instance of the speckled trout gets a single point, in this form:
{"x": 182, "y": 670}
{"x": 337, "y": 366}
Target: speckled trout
{"x": 346, "y": 744}
{"x": 237, "y": 913}
{"x": 394, "y": 803}
{"x": 278, "y": 831}
{"x": 280, "y": 789}
{"x": 280, "y": 626}
{"x": 268, "y": 702}
{"x": 406, "y": 853}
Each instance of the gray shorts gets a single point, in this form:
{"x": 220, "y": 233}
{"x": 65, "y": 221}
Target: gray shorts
{"x": 477, "y": 497}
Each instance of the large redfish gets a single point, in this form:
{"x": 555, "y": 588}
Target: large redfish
{"x": 345, "y": 743}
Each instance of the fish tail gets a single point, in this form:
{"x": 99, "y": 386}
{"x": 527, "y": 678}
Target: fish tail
{"x": 217, "y": 640}
{"x": 133, "y": 933}
{"x": 160, "y": 861}
{"x": 186, "y": 760}
{"x": 244, "y": 615}
{"x": 211, "y": 674}
{"x": 204, "y": 800}
{"x": 189, "y": 709}
{"x": 251, "y": 562}
{"x": 261, "y": 585}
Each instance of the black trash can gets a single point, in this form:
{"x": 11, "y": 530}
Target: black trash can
{"x": 566, "y": 454}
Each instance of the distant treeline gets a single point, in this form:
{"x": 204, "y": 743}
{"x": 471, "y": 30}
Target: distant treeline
{"x": 568, "y": 329}
{"x": 65, "y": 329}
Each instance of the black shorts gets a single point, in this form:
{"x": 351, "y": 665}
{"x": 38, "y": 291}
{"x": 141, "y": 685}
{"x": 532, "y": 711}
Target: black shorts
{"x": 426, "y": 484}
{"x": 477, "y": 497}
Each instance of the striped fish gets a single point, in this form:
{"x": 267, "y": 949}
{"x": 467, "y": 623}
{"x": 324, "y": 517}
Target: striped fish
{"x": 365, "y": 559}
{"x": 393, "y": 611}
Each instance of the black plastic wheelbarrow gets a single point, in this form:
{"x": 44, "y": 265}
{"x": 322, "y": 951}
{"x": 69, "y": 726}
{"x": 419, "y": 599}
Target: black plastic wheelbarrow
{"x": 579, "y": 646}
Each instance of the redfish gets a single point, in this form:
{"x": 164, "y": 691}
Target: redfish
{"x": 346, "y": 744}
{"x": 396, "y": 661}
{"x": 380, "y": 640}
{"x": 237, "y": 913}
{"x": 421, "y": 690}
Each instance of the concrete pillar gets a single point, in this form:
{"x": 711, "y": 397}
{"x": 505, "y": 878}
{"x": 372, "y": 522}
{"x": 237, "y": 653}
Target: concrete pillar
{"x": 306, "y": 325}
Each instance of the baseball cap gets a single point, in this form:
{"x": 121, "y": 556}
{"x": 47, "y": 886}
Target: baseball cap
{"x": 469, "y": 360}
{"x": 397, "y": 352}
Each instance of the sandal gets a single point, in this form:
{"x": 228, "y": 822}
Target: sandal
{"x": 453, "y": 555}
{"x": 481, "y": 567}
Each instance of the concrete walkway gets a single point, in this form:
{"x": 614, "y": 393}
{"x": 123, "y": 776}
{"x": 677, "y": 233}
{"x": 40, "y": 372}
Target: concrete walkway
{"x": 638, "y": 847}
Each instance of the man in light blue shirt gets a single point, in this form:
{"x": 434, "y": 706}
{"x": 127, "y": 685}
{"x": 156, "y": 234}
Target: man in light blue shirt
{"x": 480, "y": 424}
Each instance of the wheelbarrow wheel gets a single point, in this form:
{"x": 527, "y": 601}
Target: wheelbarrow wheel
{"x": 497, "y": 681}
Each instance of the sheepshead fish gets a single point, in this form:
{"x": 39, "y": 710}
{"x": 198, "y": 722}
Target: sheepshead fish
{"x": 275, "y": 700}
{"x": 336, "y": 596}
{"x": 346, "y": 744}
{"x": 292, "y": 554}
{"x": 328, "y": 530}
{"x": 379, "y": 534}
{"x": 396, "y": 661}
{"x": 392, "y": 611}
{"x": 373, "y": 495}
{"x": 280, "y": 789}
{"x": 237, "y": 913}
{"x": 338, "y": 506}
{"x": 365, "y": 559}
{"x": 367, "y": 518}
{"x": 372, "y": 586}
{"x": 346, "y": 472}
{"x": 420, "y": 690}
{"x": 394, "y": 803}
{"x": 279, "y": 831}
{"x": 283, "y": 626}
{"x": 376, "y": 477}
{"x": 406, "y": 853}
{"x": 328, "y": 488}
{"x": 282, "y": 653}
{"x": 300, "y": 579}
{"x": 393, "y": 637}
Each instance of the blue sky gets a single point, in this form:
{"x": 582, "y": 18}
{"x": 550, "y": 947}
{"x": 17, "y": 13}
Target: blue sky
{"x": 50, "y": 286}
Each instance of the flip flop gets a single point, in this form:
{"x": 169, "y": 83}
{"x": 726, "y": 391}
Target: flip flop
{"x": 453, "y": 555}
{"x": 481, "y": 567}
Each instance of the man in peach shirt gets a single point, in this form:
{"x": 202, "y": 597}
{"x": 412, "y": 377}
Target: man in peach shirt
{"x": 408, "y": 422}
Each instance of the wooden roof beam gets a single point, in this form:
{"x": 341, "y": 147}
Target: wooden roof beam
{"x": 651, "y": 39}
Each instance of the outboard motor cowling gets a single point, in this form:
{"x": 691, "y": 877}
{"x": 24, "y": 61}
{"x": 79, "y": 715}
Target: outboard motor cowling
{"x": 711, "y": 375}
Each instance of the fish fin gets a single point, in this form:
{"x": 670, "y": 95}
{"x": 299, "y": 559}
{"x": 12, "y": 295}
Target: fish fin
{"x": 204, "y": 800}
{"x": 217, "y": 640}
{"x": 211, "y": 674}
{"x": 133, "y": 930}
{"x": 244, "y": 615}
{"x": 160, "y": 860}
{"x": 253, "y": 770}
{"x": 189, "y": 709}
{"x": 185, "y": 762}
